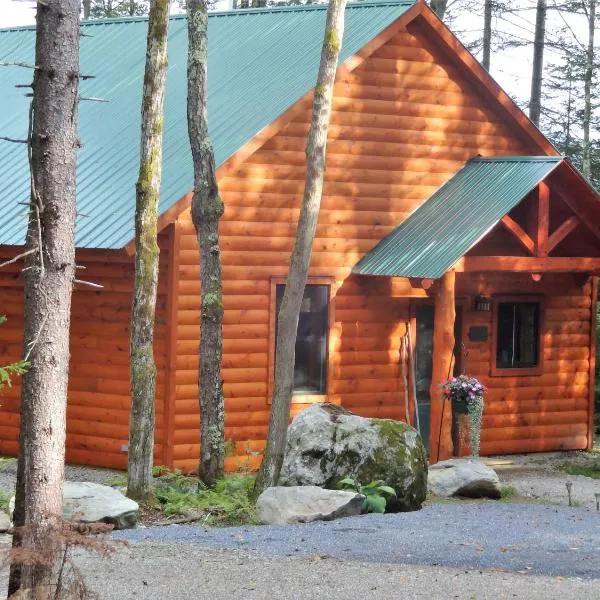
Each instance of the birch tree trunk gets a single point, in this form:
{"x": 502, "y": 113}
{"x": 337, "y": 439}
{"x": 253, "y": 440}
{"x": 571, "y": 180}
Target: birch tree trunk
{"x": 487, "y": 34}
{"x": 535, "y": 102}
{"x": 287, "y": 319}
{"x": 48, "y": 286}
{"x": 439, "y": 7}
{"x": 587, "y": 92}
{"x": 207, "y": 209}
{"x": 143, "y": 368}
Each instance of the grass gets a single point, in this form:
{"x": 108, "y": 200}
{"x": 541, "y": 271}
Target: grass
{"x": 4, "y": 500}
{"x": 591, "y": 469}
{"x": 508, "y": 492}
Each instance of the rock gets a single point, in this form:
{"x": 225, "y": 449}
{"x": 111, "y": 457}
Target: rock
{"x": 303, "y": 504}
{"x": 466, "y": 477}
{"x": 326, "y": 443}
{"x": 95, "y": 503}
{"x": 4, "y": 522}
{"x": 92, "y": 503}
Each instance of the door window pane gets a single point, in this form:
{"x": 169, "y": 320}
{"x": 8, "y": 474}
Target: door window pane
{"x": 310, "y": 369}
{"x": 518, "y": 335}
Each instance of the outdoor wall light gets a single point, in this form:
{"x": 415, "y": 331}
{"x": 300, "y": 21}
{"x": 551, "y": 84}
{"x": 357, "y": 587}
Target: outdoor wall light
{"x": 483, "y": 304}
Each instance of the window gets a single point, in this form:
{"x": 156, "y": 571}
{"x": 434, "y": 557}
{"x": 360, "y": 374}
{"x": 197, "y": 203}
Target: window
{"x": 517, "y": 328}
{"x": 310, "y": 370}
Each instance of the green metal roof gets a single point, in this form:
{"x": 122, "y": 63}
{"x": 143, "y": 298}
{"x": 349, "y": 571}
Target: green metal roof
{"x": 261, "y": 61}
{"x": 456, "y": 216}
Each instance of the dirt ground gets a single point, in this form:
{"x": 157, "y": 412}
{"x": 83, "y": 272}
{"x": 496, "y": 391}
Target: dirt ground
{"x": 541, "y": 478}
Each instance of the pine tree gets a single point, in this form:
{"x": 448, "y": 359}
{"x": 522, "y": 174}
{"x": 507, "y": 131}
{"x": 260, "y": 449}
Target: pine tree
{"x": 142, "y": 366}
{"x": 287, "y": 319}
{"x": 49, "y": 277}
{"x": 207, "y": 209}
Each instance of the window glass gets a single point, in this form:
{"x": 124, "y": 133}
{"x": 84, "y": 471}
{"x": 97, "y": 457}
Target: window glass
{"x": 518, "y": 335}
{"x": 310, "y": 369}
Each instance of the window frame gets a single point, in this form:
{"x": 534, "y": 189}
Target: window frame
{"x": 538, "y": 369}
{"x": 302, "y": 397}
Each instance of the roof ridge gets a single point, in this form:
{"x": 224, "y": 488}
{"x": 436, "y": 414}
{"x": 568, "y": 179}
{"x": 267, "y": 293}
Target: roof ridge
{"x": 518, "y": 158}
{"x": 229, "y": 13}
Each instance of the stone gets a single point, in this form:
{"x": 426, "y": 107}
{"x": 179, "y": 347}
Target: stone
{"x": 467, "y": 477}
{"x": 4, "y": 522}
{"x": 303, "y": 504}
{"x": 96, "y": 503}
{"x": 326, "y": 443}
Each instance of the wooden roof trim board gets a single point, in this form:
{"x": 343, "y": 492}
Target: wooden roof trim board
{"x": 424, "y": 14}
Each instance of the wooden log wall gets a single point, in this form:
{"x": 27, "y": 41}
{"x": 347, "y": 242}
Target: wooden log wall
{"x": 99, "y": 389}
{"x": 543, "y": 412}
{"x": 402, "y": 124}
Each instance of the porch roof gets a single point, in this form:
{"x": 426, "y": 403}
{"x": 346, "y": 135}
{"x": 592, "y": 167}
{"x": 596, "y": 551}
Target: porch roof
{"x": 456, "y": 216}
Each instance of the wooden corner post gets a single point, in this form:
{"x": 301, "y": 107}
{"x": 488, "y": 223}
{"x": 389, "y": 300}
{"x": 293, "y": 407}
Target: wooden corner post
{"x": 440, "y": 441}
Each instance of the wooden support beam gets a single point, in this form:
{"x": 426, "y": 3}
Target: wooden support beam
{"x": 592, "y": 364}
{"x": 522, "y": 237}
{"x": 560, "y": 233}
{"x": 440, "y": 438}
{"x": 543, "y": 221}
{"x": 527, "y": 264}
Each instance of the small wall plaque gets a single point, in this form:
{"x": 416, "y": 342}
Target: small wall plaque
{"x": 478, "y": 333}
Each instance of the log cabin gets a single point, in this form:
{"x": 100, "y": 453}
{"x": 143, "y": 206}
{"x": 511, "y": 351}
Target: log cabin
{"x": 446, "y": 214}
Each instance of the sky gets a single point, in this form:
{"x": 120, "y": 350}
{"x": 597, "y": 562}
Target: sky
{"x": 511, "y": 68}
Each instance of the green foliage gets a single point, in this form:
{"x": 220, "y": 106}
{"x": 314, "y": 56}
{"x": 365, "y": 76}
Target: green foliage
{"x": 8, "y": 371}
{"x": 227, "y": 503}
{"x": 375, "y": 493}
{"x": 4, "y": 500}
{"x": 508, "y": 491}
{"x": 592, "y": 469}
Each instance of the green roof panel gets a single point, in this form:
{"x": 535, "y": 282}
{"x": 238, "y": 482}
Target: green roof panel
{"x": 456, "y": 216}
{"x": 260, "y": 62}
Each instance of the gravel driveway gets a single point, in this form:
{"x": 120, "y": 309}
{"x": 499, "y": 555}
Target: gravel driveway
{"x": 533, "y": 539}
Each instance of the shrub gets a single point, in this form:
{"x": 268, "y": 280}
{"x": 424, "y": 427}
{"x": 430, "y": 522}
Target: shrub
{"x": 375, "y": 493}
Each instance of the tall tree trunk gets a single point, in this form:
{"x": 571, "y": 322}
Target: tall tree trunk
{"x": 287, "y": 320}
{"x": 143, "y": 369}
{"x": 535, "y": 102}
{"x": 487, "y": 34}
{"x": 48, "y": 285}
{"x": 439, "y": 7}
{"x": 207, "y": 209}
{"x": 587, "y": 93}
{"x": 87, "y": 5}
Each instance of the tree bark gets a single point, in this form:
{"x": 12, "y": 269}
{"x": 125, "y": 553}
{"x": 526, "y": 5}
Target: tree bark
{"x": 87, "y": 5}
{"x": 535, "y": 102}
{"x": 143, "y": 368}
{"x": 207, "y": 209}
{"x": 440, "y": 439}
{"x": 48, "y": 286}
{"x": 587, "y": 92}
{"x": 439, "y": 7}
{"x": 287, "y": 320}
{"x": 487, "y": 34}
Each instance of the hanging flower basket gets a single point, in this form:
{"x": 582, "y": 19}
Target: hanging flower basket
{"x": 466, "y": 394}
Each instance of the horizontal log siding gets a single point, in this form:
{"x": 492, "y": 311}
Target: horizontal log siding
{"x": 542, "y": 412}
{"x": 99, "y": 389}
{"x": 402, "y": 124}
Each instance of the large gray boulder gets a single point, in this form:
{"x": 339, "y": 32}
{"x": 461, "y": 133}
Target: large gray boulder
{"x": 465, "y": 477}
{"x": 303, "y": 504}
{"x": 95, "y": 503}
{"x": 326, "y": 443}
